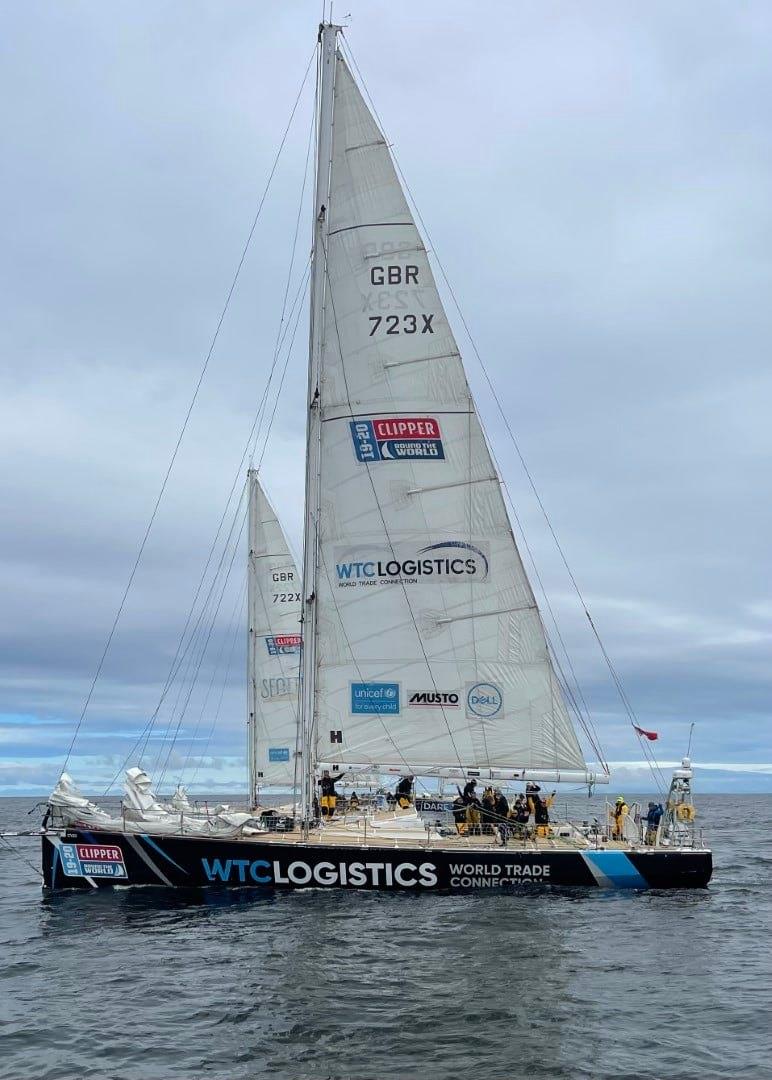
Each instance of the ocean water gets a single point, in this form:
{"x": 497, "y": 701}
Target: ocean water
{"x": 145, "y": 984}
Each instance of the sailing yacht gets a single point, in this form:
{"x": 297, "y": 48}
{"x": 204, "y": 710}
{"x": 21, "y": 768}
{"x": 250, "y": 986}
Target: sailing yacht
{"x": 412, "y": 643}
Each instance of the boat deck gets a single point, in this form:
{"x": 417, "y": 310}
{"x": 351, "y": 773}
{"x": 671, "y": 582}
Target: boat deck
{"x": 401, "y": 829}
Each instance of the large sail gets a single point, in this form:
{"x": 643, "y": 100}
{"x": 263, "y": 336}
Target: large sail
{"x": 274, "y": 648}
{"x": 430, "y": 651}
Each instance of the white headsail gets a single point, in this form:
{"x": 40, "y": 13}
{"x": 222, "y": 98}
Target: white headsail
{"x": 430, "y": 654}
{"x": 274, "y": 648}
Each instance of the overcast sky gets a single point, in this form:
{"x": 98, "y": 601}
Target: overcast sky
{"x": 596, "y": 179}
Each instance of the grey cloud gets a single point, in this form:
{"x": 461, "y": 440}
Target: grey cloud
{"x": 596, "y": 183}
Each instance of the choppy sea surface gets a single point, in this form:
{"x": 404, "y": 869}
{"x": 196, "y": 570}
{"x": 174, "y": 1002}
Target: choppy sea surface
{"x": 146, "y": 984}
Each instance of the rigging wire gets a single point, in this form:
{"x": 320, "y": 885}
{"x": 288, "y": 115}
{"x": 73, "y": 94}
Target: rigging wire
{"x": 238, "y": 623}
{"x": 186, "y": 420}
{"x": 181, "y": 653}
{"x": 279, "y": 338}
{"x": 146, "y": 732}
{"x": 281, "y": 384}
{"x": 215, "y": 672}
{"x": 203, "y": 651}
{"x": 612, "y": 670}
{"x": 22, "y": 858}
{"x": 265, "y": 443}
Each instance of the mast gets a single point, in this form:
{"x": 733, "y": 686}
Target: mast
{"x": 328, "y": 35}
{"x": 252, "y": 597}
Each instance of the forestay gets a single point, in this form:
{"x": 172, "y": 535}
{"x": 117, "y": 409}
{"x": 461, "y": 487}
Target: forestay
{"x": 430, "y": 649}
{"x": 274, "y": 647}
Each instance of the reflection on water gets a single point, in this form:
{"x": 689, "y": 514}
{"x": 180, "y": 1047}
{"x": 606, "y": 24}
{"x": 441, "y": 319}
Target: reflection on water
{"x": 140, "y": 984}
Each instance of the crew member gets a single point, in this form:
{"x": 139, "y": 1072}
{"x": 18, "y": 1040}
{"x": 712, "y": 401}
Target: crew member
{"x": 501, "y": 806}
{"x": 473, "y": 815}
{"x": 539, "y": 807}
{"x": 353, "y": 803}
{"x": 618, "y": 815}
{"x": 653, "y": 818}
{"x": 459, "y": 814}
{"x": 519, "y": 814}
{"x": 404, "y": 791}
{"x": 329, "y": 797}
{"x": 501, "y": 811}
{"x": 469, "y": 791}
{"x": 488, "y": 811}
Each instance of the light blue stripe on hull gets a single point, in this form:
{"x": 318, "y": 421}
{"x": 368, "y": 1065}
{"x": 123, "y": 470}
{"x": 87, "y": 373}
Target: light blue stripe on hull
{"x": 613, "y": 870}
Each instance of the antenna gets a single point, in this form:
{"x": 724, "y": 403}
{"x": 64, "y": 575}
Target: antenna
{"x": 689, "y": 746}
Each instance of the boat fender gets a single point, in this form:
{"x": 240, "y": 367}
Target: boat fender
{"x": 685, "y": 812}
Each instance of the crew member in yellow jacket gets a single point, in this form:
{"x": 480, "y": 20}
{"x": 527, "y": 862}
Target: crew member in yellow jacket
{"x": 618, "y": 815}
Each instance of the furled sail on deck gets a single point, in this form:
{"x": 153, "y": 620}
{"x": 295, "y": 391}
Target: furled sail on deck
{"x": 274, "y": 647}
{"x": 430, "y": 650}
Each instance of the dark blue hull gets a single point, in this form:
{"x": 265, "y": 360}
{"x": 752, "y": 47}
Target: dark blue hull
{"x": 80, "y": 859}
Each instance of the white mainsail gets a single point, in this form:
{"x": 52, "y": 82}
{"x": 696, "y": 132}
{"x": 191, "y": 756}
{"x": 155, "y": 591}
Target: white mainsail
{"x": 429, "y": 653}
{"x": 274, "y": 648}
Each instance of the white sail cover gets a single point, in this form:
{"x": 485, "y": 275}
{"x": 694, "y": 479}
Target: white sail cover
{"x": 274, "y": 646}
{"x": 430, "y": 649}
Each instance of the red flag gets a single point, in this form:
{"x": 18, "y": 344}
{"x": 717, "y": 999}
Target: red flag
{"x": 651, "y": 735}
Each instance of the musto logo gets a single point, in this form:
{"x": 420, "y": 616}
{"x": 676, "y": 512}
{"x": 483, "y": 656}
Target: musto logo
{"x": 375, "y": 697}
{"x": 448, "y": 560}
{"x": 433, "y": 699}
{"x": 283, "y": 644}
{"x": 409, "y": 438}
{"x": 404, "y": 875}
{"x": 92, "y": 860}
{"x": 483, "y": 700}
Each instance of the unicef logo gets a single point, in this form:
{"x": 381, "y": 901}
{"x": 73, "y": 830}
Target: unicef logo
{"x": 390, "y": 692}
{"x": 484, "y": 700}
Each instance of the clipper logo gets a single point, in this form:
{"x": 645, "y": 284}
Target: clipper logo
{"x": 410, "y": 438}
{"x": 92, "y": 860}
{"x": 283, "y": 644}
{"x": 375, "y": 697}
{"x": 483, "y": 700}
{"x": 448, "y": 560}
{"x": 433, "y": 699}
